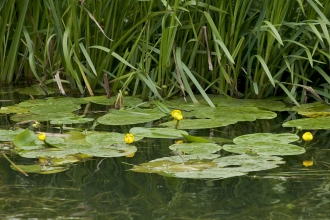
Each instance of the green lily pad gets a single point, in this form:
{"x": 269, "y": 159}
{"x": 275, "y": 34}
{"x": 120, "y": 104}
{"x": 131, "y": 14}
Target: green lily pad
{"x": 196, "y": 148}
{"x": 108, "y": 138}
{"x": 208, "y": 167}
{"x": 195, "y": 139}
{"x": 71, "y": 120}
{"x": 309, "y": 123}
{"x": 266, "y": 148}
{"x": 41, "y": 117}
{"x": 103, "y": 100}
{"x": 265, "y": 144}
{"x": 114, "y": 150}
{"x": 55, "y": 106}
{"x": 315, "y": 109}
{"x": 8, "y": 135}
{"x": 36, "y": 168}
{"x": 250, "y": 139}
{"x": 12, "y": 109}
{"x": 157, "y": 132}
{"x": 237, "y": 113}
{"x": 126, "y": 117}
{"x": 200, "y": 123}
{"x": 35, "y": 90}
{"x": 220, "y": 100}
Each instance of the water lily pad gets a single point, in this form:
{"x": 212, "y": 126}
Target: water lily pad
{"x": 114, "y": 150}
{"x": 55, "y": 106}
{"x": 103, "y": 100}
{"x": 41, "y": 117}
{"x": 197, "y": 167}
{"x": 41, "y": 169}
{"x": 250, "y": 139}
{"x": 237, "y": 113}
{"x": 36, "y": 90}
{"x": 196, "y": 139}
{"x": 71, "y": 120}
{"x": 315, "y": 109}
{"x": 12, "y": 109}
{"x": 245, "y": 163}
{"x": 126, "y": 117}
{"x": 309, "y": 123}
{"x": 265, "y": 144}
{"x": 8, "y": 135}
{"x": 266, "y": 148}
{"x": 157, "y": 132}
{"x": 220, "y": 100}
{"x": 196, "y": 148}
{"x": 200, "y": 123}
{"x": 107, "y": 138}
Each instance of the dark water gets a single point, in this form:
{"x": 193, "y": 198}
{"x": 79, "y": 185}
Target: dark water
{"x": 106, "y": 189}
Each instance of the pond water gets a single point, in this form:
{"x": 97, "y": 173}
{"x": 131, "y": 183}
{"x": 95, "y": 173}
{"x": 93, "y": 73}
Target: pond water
{"x": 105, "y": 188}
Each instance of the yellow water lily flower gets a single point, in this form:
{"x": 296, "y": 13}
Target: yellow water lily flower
{"x": 130, "y": 155}
{"x": 177, "y": 115}
{"x": 308, "y": 163}
{"x": 129, "y": 138}
{"x": 307, "y": 136}
{"x": 42, "y": 136}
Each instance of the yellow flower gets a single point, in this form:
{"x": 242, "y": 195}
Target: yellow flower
{"x": 308, "y": 163}
{"x": 307, "y": 136}
{"x": 129, "y": 138}
{"x": 180, "y": 141}
{"x": 42, "y": 136}
{"x": 130, "y": 155}
{"x": 177, "y": 115}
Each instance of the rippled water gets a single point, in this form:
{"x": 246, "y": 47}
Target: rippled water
{"x": 106, "y": 189}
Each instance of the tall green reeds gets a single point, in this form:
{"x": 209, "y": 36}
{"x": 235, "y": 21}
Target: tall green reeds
{"x": 163, "y": 48}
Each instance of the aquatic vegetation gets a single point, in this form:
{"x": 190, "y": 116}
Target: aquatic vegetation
{"x": 196, "y": 157}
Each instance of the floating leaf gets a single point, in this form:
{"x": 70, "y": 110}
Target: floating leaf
{"x": 126, "y": 117}
{"x": 24, "y": 138}
{"x": 219, "y": 100}
{"x": 157, "y": 132}
{"x": 103, "y": 100}
{"x": 309, "y": 123}
{"x": 114, "y": 150}
{"x": 107, "y": 138}
{"x": 8, "y": 135}
{"x": 35, "y": 90}
{"x": 41, "y": 169}
{"x": 266, "y": 144}
{"x": 12, "y": 109}
{"x": 266, "y": 148}
{"x": 315, "y": 109}
{"x": 200, "y": 123}
{"x": 196, "y": 148}
{"x": 71, "y": 120}
{"x": 207, "y": 166}
{"x": 195, "y": 139}
{"x": 250, "y": 139}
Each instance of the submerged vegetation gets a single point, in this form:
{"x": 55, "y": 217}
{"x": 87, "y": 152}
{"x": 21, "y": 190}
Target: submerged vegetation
{"x": 160, "y": 49}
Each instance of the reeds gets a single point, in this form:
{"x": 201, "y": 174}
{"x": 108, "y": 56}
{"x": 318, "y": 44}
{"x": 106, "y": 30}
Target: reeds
{"x": 162, "y": 48}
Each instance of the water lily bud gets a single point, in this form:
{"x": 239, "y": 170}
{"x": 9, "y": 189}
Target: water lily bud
{"x": 42, "y": 136}
{"x": 307, "y": 136}
{"x": 36, "y": 124}
{"x": 177, "y": 115}
{"x": 308, "y": 163}
{"x": 299, "y": 128}
{"x": 129, "y": 138}
{"x": 130, "y": 155}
